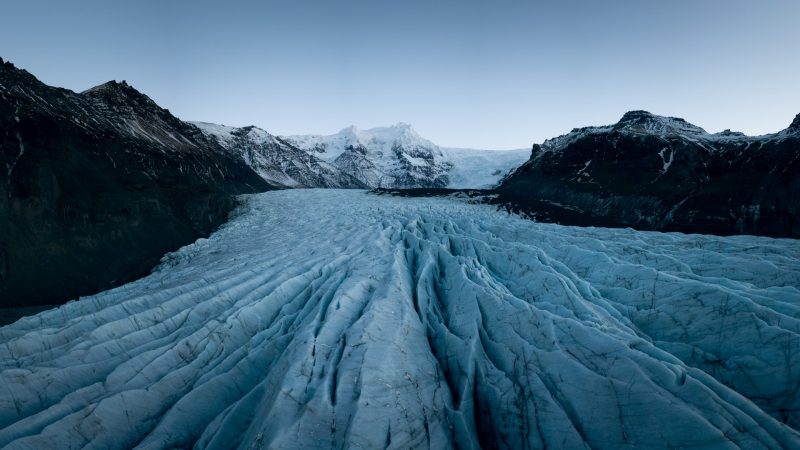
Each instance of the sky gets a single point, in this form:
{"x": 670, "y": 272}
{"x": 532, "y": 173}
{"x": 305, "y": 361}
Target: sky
{"x": 479, "y": 74}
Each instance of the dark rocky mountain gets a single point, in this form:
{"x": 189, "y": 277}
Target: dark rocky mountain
{"x": 663, "y": 173}
{"x": 96, "y": 186}
{"x": 278, "y": 161}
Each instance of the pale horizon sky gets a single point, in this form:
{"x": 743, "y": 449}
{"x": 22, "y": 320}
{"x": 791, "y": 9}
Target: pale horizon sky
{"x": 495, "y": 75}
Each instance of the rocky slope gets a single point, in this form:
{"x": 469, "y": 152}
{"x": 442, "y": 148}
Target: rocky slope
{"x": 398, "y": 157}
{"x": 278, "y": 161}
{"x": 662, "y": 173}
{"x": 96, "y": 186}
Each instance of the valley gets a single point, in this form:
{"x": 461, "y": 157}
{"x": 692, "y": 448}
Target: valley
{"x": 329, "y": 318}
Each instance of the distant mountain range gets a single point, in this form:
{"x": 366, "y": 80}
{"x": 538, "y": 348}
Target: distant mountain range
{"x": 662, "y": 173}
{"x": 384, "y": 157}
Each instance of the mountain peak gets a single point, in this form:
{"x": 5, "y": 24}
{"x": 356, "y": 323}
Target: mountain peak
{"x": 729, "y": 133}
{"x": 112, "y": 85}
{"x": 795, "y": 123}
{"x": 9, "y": 72}
{"x": 352, "y": 129}
{"x": 121, "y": 94}
{"x": 397, "y": 128}
{"x": 641, "y": 116}
{"x": 649, "y": 122}
{"x": 637, "y": 115}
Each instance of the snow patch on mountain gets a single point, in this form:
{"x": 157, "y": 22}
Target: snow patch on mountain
{"x": 666, "y": 160}
{"x": 225, "y": 134}
{"x": 328, "y": 319}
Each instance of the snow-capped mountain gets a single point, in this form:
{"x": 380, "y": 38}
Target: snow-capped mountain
{"x": 278, "y": 161}
{"x": 663, "y": 173}
{"x": 97, "y": 185}
{"x": 395, "y": 157}
{"x": 398, "y": 157}
{"x": 349, "y": 320}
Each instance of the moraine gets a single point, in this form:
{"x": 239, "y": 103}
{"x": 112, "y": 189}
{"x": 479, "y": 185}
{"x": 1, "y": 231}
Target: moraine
{"x": 321, "y": 319}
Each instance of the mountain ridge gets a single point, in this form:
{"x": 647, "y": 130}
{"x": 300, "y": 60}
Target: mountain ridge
{"x": 662, "y": 173}
{"x": 276, "y": 160}
{"x": 98, "y": 186}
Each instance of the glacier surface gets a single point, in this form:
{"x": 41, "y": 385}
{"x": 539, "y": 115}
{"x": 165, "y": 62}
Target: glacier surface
{"x": 322, "y": 319}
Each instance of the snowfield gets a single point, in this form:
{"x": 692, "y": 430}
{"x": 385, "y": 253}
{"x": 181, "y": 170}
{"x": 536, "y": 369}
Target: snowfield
{"x": 325, "y": 318}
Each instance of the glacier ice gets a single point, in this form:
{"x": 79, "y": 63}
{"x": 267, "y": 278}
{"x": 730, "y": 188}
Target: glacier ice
{"x": 326, "y": 318}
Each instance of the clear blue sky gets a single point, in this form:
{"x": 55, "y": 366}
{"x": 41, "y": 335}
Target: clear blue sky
{"x": 489, "y": 74}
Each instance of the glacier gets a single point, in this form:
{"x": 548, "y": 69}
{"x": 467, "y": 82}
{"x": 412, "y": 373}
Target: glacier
{"x": 339, "y": 318}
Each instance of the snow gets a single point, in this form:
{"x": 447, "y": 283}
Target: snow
{"x": 393, "y": 156}
{"x": 582, "y": 173}
{"x": 380, "y": 141}
{"x": 465, "y": 168}
{"x": 274, "y": 160}
{"x": 16, "y": 159}
{"x": 329, "y": 318}
{"x": 667, "y": 162}
{"x": 223, "y": 132}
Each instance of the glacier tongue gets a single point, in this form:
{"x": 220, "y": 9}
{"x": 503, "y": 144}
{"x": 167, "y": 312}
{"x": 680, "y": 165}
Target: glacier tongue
{"x": 321, "y": 319}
